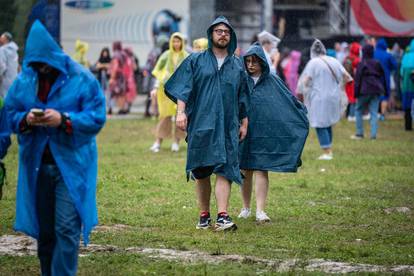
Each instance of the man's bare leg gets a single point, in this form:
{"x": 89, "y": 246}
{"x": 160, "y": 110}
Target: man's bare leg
{"x": 203, "y": 191}
{"x": 223, "y": 189}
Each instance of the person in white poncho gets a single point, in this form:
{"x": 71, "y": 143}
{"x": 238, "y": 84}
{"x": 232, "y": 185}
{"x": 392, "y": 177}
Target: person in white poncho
{"x": 321, "y": 85}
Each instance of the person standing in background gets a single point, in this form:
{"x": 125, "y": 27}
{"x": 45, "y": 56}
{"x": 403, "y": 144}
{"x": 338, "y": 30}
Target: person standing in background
{"x": 165, "y": 67}
{"x": 9, "y": 62}
{"x": 321, "y": 85}
{"x": 389, "y": 64}
{"x": 407, "y": 88}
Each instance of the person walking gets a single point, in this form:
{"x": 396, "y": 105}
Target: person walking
{"x": 165, "y": 67}
{"x": 407, "y": 88}
{"x": 102, "y": 71}
{"x": 350, "y": 63}
{"x": 56, "y": 108}
{"x": 321, "y": 84}
{"x": 276, "y": 134}
{"x": 211, "y": 91}
{"x": 370, "y": 84}
{"x": 118, "y": 83}
{"x": 9, "y": 62}
{"x": 389, "y": 64}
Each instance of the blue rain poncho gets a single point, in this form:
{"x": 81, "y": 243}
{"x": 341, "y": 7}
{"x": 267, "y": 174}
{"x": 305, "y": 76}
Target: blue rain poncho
{"x": 76, "y": 92}
{"x": 215, "y": 102}
{"x": 278, "y": 125}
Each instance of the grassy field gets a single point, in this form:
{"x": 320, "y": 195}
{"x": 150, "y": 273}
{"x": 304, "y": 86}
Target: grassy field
{"x": 334, "y": 210}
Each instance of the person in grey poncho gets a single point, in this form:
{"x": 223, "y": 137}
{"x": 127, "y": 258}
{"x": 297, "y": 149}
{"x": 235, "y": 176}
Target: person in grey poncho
{"x": 321, "y": 85}
{"x": 9, "y": 63}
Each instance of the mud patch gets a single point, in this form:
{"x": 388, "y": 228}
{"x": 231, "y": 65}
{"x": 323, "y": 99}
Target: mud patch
{"x": 19, "y": 245}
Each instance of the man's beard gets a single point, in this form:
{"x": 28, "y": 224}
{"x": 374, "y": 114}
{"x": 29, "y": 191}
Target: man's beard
{"x": 220, "y": 46}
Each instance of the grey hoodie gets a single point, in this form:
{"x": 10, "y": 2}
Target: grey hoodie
{"x": 9, "y": 62}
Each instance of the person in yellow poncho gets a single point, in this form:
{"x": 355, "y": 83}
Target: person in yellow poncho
{"x": 200, "y": 44}
{"x": 165, "y": 67}
{"x": 81, "y": 48}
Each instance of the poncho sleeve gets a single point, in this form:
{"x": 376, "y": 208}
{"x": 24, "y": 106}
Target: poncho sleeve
{"x": 15, "y": 110}
{"x": 160, "y": 67}
{"x": 180, "y": 85}
{"x": 89, "y": 121}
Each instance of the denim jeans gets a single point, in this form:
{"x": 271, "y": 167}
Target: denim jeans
{"x": 351, "y": 110}
{"x": 372, "y": 102}
{"x": 59, "y": 224}
{"x": 324, "y": 137}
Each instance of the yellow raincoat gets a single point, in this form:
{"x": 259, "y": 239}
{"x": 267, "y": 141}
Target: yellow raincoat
{"x": 81, "y": 48}
{"x": 167, "y": 63}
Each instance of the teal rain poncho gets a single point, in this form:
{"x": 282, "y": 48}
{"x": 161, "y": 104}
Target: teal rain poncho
{"x": 215, "y": 102}
{"x": 77, "y": 92}
{"x": 278, "y": 125}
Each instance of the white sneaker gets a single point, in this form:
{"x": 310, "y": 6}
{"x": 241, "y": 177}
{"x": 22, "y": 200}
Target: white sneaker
{"x": 244, "y": 213}
{"x": 175, "y": 147}
{"x": 261, "y": 216}
{"x": 351, "y": 118}
{"x": 326, "y": 156}
{"x": 366, "y": 117}
{"x": 155, "y": 147}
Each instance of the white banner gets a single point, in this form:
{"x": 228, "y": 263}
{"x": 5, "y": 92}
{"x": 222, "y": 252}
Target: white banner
{"x": 100, "y": 22}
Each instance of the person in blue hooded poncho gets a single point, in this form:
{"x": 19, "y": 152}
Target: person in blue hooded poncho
{"x": 276, "y": 135}
{"x": 56, "y": 190}
{"x": 389, "y": 64}
{"x": 211, "y": 91}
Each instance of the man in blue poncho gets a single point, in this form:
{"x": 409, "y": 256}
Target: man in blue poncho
{"x": 277, "y": 131}
{"x": 211, "y": 91}
{"x": 56, "y": 108}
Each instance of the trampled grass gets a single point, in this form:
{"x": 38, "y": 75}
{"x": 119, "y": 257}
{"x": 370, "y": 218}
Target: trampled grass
{"x": 330, "y": 209}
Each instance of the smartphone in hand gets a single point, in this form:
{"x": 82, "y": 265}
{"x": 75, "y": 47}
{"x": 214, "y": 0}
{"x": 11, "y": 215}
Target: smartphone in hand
{"x": 37, "y": 112}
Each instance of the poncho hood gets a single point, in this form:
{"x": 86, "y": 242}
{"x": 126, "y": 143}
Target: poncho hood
{"x": 257, "y": 50}
{"x": 41, "y": 47}
{"x": 317, "y": 49}
{"x": 233, "y": 39}
{"x": 367, "y": 51}
{"x": 382, "y": 44}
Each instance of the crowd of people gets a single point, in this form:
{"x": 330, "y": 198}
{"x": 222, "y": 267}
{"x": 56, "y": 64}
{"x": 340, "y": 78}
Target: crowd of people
{"x": 243, "y": 113}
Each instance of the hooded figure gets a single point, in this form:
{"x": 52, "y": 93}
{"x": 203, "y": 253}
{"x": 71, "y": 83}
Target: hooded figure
{"x": 216, "y": 99}
{"x": 321, "y": 84}
{"x": 350, "y": 64}
{"x": 200, "y": 44}
{"x": 9, "y": 63}
{"x": 81, "y": 48}
{"x": 77, "y": 96}
{"x": 370, "y": 84}
{"x": 387, "y": 61}
{"x": 278, "y": 125}
{"x": 167, "y": 63}
{"x": 407, "y": 88}
{"x": 321, "y": 87}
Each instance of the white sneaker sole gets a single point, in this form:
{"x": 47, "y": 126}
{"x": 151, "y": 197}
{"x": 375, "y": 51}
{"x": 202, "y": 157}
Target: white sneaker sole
{"x": 225, "y": 227}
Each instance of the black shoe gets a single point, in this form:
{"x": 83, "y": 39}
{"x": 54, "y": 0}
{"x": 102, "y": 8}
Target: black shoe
{"x": 204, "y": 222}
{"x": 224, "y": 223}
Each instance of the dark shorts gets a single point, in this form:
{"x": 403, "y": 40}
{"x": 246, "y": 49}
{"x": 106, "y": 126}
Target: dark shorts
{"x": 202, "y": 172}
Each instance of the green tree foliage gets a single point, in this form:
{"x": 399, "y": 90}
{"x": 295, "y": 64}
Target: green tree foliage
{"x": 7, "y": 15}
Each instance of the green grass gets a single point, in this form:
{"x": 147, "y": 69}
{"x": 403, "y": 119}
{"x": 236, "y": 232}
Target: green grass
{"x": 315, "y": 214}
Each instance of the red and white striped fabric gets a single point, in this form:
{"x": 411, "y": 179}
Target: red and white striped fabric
{"x": 382, "y": 17}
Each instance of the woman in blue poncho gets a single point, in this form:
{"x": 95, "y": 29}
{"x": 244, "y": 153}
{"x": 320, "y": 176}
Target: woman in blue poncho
{"x": 276, "y": 134}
